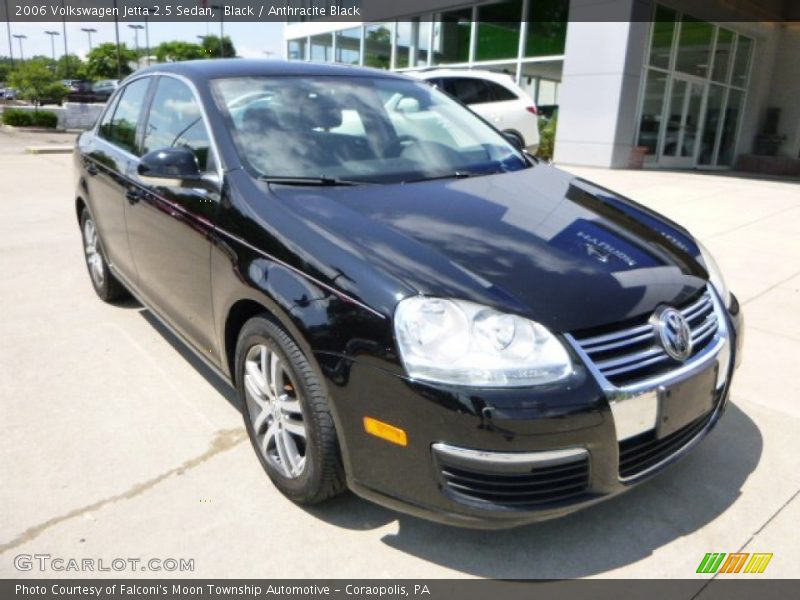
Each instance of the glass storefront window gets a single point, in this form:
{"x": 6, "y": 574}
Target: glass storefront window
{"x": 296, "y": 50}
{"x": 322, "y": 47}
{"x": 663, "y": 33}
{"x": 378, "y": 46}
{"x": 652, "y": 108}
{"x": 744, "y": 47}
{"x": 498, "y": 30}
{"x": 694, "y": 47}
{"x": 547, "y": 27}
{"x": 732, "y": 115}
{"x": 451, "y": 35}
{"x": 413, "y": 43}
{"x": 348, "y": 46}
{"x": 403, "y": 45}
{"x": 722, "y": 55}
{"x": 711, "y": 126}
{"x": 697, "y": 91}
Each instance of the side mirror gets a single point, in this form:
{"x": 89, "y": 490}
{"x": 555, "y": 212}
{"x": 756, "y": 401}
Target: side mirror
{"x": 408, "y": 105}
{"x": 169, "y": 167}
{"x": 514, "y": 140}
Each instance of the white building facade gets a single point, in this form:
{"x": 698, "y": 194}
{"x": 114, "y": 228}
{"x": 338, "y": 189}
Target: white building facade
{"x": 691, "y": 86}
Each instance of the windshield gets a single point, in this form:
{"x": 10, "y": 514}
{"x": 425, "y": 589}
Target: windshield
{"x": 358, "y": 129}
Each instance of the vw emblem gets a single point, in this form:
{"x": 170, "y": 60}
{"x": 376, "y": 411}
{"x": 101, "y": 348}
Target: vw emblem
{"x": 674, "y": 333}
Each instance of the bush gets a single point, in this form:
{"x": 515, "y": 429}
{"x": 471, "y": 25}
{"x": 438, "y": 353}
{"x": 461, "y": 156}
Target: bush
{"x": 547, "y": 137}
{"x": 25, "y": 118}
{"x": 17, "y": 118}
{"x": 45, "y": 118}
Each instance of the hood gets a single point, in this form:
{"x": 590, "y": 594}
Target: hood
{"x": 537, "y": 242}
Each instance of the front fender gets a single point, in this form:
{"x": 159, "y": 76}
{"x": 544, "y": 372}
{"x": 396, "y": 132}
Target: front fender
{"x": 317, "y": 318}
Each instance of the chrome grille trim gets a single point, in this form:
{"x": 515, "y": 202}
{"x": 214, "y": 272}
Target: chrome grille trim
{"x": 609, "y": 337}
{"x": 703, "y": 304}
{"x": 634, "y": 405}
{"x": 627, "y": 356}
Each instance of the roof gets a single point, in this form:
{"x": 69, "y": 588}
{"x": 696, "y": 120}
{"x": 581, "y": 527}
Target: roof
{"x": 247, "y": 67}
{"x": 472, "y": 73}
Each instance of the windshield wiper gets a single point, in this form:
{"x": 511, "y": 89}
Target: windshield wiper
{"x": 322, "y": 180}
{"x": 453, "y": 175}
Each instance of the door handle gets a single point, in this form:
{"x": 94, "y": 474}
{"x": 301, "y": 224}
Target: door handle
{"x": 133, "y": 195}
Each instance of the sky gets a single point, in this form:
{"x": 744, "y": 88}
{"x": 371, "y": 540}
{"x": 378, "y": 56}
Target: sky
{"x": 252, "y": 40}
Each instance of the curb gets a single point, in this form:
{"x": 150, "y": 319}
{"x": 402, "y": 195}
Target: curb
{"x": 53, "y": 149}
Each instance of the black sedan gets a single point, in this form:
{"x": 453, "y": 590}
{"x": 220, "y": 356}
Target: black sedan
{"x": 406, "y": 304}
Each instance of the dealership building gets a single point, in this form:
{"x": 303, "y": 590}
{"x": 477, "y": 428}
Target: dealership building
{"x": 691, "y": 84}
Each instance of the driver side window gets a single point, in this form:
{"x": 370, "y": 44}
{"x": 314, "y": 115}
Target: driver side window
{"x": 175, "y": 120}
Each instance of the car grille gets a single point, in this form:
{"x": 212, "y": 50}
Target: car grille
{"x": 644, "y": 451}
{"x": 625, "y": 356}
{"x": 538, "y": 486}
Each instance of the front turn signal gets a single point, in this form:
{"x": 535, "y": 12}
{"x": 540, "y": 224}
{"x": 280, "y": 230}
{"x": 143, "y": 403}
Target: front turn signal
{"x": 387, "y": 432}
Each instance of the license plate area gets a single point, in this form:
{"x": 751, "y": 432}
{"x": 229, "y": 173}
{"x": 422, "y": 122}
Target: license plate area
{"x": 682, "y": 402}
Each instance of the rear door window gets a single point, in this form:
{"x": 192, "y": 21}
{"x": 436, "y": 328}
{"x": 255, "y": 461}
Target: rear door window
{"x": 467, "y": 89}
{"x": 500, "y": 93}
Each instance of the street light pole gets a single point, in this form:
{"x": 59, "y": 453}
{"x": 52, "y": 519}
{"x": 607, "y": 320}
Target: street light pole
{"x": 8, "y": 30}
{"x": 145, "y": 11}
{"x": 147, "y": 39}
{"x": 64, "y": 30}
{"x": 89, "y": 31}
{"x": 136, "y": 29}
{"x": 53, "y": 35}
{"x": 116, "y": 37}
{"x": 221, "y": 10}
{"x": 21, "y": 37}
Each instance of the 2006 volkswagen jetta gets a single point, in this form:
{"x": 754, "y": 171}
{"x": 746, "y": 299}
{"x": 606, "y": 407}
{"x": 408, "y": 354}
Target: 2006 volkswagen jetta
{"x": 407, "y": 304}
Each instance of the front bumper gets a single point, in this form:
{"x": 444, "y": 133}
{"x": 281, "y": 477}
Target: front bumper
{"x": 501, "y": 458}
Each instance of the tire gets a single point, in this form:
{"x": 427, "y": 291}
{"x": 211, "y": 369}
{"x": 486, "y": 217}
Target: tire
{"x": 305, "y": 468}
{"x": 514, "y": 134}
{"x": 105, "y": 284}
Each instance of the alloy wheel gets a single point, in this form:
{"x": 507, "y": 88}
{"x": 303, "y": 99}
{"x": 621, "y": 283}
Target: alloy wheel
{"x": 93, "y": 257}
{"x": 274, "y": 410}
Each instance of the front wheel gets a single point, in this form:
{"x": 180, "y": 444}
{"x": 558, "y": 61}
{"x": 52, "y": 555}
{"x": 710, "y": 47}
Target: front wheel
{"x": 286, "y": 414}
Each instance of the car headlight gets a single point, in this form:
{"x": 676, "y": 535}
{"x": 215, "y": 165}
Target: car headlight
{"x": 463, "y": 343}
{"x": 715, "y": 275}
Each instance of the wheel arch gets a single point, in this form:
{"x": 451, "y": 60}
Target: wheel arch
{"x": 516, "y": 133}
{"x": 247, "y": 307}
{"x": 80, "y": 205}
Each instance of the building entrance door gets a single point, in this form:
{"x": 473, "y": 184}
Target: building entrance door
{"x": 680, "y": 135}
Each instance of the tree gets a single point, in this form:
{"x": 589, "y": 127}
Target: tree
{"x": 69, "y": 66}
{"x": 176, "y": 51}
{"x": 101, "y": 62}
{"x": 211, "y": 47}
{"x": 36, "y": 82}
{"x": 5, "y": 68}
{"x": 378, "y": 48}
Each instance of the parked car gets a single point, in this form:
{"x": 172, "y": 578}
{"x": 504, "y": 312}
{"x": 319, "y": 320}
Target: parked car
{"x": 8, "y": 93}
{"x": 448, "y": 327}
{"x": 103, "y": 89}
{"x": 81, "y": 91}
{"x": 495, "y": 97}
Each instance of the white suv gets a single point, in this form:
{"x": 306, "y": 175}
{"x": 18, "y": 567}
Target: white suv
{"x": 495, "y": 97}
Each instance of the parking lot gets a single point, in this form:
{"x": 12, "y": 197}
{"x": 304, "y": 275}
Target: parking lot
{"x": 117, "y": 442}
